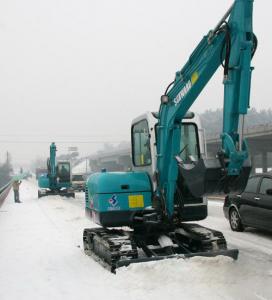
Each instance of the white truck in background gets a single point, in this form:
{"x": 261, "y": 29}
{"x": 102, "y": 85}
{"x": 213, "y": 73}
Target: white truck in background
{"x": 78, "y": 182}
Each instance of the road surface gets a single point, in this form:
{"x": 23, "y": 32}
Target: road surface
{"x": 41, "y": 257}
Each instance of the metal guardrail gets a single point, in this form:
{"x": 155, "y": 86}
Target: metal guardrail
{"x": 5, "y": 187}
{"x": 4, "y": 191}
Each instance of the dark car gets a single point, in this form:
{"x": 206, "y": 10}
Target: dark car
{"x": 253, "y": 207}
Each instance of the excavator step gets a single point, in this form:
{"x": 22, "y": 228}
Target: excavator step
{"x": 232, "y": 253}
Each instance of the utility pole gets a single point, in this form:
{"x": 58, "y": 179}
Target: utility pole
{"x": 8, "y": 158}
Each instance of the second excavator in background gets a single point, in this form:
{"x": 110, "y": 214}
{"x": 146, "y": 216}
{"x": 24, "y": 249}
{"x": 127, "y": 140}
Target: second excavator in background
{"x": 58, "y": 179}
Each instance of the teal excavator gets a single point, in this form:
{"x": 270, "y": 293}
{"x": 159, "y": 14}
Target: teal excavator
{"x": 146, "y": 214}
{"x": 58, "y": 179}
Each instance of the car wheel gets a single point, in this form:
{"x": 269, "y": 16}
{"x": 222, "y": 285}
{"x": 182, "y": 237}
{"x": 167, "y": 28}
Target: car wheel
{"x": 235, "y": 220}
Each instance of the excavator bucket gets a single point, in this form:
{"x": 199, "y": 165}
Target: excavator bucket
{"x": 208, "y": 177}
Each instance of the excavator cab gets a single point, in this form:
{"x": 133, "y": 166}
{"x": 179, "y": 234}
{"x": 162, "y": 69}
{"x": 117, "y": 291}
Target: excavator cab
{"x": 199, "y": 173}
{"x": 64, "y": 171}
{"x": 192, "y": 148}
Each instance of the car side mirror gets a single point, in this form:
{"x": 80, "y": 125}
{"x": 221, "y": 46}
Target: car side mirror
{"x": 269, "y": 192}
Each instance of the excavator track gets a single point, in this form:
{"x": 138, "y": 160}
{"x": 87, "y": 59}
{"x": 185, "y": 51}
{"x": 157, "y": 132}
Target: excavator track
{"x": 114, "y": 248}
{"x": 199, "y": 238}
{"x": 109, "y": 246}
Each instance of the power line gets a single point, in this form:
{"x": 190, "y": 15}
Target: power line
{"x": 62, "y": 135}
{"x": 59, "y": 142}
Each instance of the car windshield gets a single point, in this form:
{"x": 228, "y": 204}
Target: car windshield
{"x": 265, "y": 185}
{"x": 77, "y": 178}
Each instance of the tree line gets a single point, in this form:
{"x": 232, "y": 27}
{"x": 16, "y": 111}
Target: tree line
{"x": 212, "y": 120}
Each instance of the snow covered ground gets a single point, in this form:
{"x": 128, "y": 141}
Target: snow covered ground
{"x": 41, "y": 257}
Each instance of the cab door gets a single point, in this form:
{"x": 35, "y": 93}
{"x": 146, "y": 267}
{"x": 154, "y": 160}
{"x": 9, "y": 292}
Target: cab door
{"x": 264, "y": 204}
{"x": 141, "y": 147}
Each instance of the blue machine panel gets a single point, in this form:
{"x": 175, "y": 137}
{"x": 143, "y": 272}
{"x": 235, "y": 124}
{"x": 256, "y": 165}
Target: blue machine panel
{"x": 114, "y": 197}
{"x": 43, "y": 181}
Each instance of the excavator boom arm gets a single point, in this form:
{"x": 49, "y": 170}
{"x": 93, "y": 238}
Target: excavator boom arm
{"x": 231, "y": 44}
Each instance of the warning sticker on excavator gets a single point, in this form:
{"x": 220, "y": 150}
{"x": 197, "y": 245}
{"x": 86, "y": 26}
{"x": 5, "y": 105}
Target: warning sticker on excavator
{"x": 194, "y": 78}
{"x": 136, "y": 201}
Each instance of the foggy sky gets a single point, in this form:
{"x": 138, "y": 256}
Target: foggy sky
{"x": 82, "y": 70}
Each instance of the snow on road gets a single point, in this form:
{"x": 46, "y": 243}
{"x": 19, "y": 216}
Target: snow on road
{"x": 41, "y": 257}
{"x": 251, "y": 241}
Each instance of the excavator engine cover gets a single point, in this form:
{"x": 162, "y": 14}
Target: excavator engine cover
{"x": 113, "y": 198}
{"x": 43, "y": 181}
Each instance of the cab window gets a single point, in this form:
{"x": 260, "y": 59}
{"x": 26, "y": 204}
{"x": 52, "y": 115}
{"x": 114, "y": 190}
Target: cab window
{"x": 265, "y": 185}
{"x": 252, "y": 185}
{"x": 189, "y": 146}
{"x": 64, "y": 171}
{"x": 141, "y": 153}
